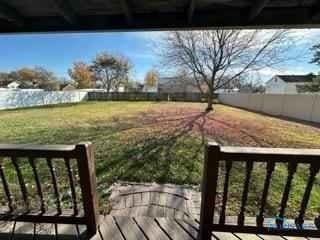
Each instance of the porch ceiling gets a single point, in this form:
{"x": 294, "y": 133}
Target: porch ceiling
{"x": 95, "y": 15}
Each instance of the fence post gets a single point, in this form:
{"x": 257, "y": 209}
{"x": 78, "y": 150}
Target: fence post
{"x": 87, "y": 173}
{"x": 315, "y": 98}
{"x": 208, "y": 190}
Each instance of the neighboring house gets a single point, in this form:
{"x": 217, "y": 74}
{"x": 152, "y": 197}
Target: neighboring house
{"x": 67, "y": 87}
{"x": 13, "y": 85}
{"x": 121, "y": 87}
{"x": 227, "y": 90}
{"x": 150, "y": 89}
{"x": 135, "y": 87}
{"x": 177, "y": 85}
{"x": 20, "y": 85}
{"x": 287, "y": 84}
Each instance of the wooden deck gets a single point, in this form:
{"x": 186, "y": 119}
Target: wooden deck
{"x": 153, "y": 211}
{"x": 149, "y": 211}
{"x": 127, "y": 228}
{"x": 122, "y": 228}
{"x": 154, "y": 200}
{"x": 25, "y": 231}
{"x": 141, "y": 212}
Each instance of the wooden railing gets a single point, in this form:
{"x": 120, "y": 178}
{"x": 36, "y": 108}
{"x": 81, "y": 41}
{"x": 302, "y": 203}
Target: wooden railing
{"x": 215, "y": 155}
{"x": 49, "y": 184}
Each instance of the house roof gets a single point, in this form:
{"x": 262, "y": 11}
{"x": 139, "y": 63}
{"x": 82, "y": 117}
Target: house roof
{"x": 297, "y": 78}
{"x": 67, "y": 87}
{"x": 88, "y": 15}
{"x": 167, "y": 80}
{"x": 13, "y": 84}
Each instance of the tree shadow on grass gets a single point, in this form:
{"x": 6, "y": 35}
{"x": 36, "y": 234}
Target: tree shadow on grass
{"x": 170, "y": 154}
{"x": 160, "y": 146}
{"x": 140, "y": 148}
{"x": 154, "y": 156}
{"x": 241, "y": 131}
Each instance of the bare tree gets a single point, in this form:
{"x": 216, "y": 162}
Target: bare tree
{"x": 219, "y": 57}
{"x": 110, "y": 70}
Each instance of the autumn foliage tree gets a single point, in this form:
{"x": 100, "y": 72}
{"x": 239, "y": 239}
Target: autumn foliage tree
{"x": 111, "y": 70}
{"x": 37, "y": 77}
{"x": 26, "y": 74}
{"x": 82, "y": 75}
{"x": 151, "y": 78}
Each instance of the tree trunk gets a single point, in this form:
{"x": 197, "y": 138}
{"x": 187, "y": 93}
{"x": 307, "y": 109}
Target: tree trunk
{"x": 210, "y": 102}
{"x": 108, "y": 86}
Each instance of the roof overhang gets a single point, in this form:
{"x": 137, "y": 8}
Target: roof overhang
{"x": 134, "y": 15}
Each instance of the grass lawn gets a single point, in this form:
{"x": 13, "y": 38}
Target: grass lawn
{"x": 163, "y": 142}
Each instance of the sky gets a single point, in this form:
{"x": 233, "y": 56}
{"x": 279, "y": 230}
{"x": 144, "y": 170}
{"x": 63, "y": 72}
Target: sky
{"x": 58, "y": 51}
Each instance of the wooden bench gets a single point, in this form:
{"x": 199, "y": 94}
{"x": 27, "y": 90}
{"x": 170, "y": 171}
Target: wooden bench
{"x": 226, "y": 156}
{"x": 35, "y": 180}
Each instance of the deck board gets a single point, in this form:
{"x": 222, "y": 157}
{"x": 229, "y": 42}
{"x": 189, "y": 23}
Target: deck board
{"x": 173, "y": 229}
{"x": 247, "y": 236}
{"x": 108, "y": 228}
{"x": 151, "y": 229}
{"x": 295, "y": 238}
{"x": 129, "y": 228}
{"x": 224, "y": 236}
{"x": 271, "y": 237}
{"x": 188, "y": 228}
{"x": 26, "y": 231}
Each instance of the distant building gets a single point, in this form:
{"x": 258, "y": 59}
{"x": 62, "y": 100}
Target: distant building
{"x": 135, "y": 87}
{"x": 13, "y": 85}
{"x": 227, "y": 90}
{"x": 287, "y": 84}
{"x": 121, "y": 87}
{"x": 21, "y": 85}
{"x": 67, "y": 87}
{"x": 150, "y": 89}
{"x": 178, "y": 85}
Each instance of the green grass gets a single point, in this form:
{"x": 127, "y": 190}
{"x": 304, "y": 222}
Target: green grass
{"x": 163, "y": 142}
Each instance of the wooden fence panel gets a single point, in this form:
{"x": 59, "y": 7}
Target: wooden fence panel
{"x": 142, "y": 96}
{"x": 298, "y": 106}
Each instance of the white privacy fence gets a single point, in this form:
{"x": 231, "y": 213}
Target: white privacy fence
{"x": 28, "y": 98}
{"x": 298, "y": 106}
